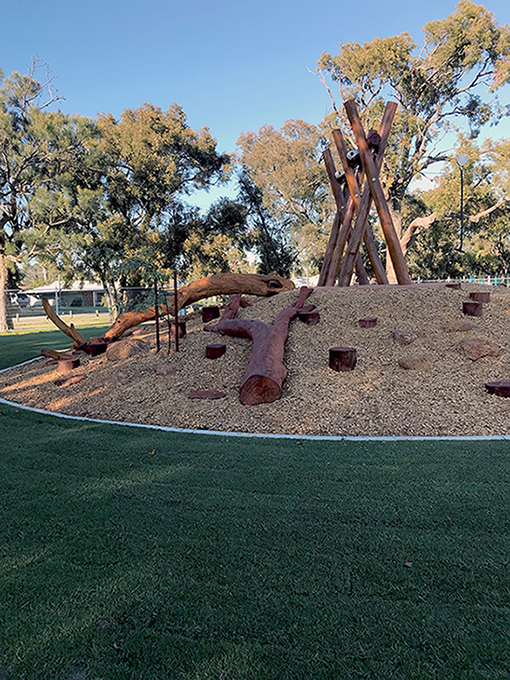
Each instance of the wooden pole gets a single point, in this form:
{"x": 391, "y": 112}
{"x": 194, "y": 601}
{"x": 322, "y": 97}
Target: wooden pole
{"x": 340, "y": 244}
{"x": 340, "y": 208}
{"x": 360, "y": 226}
{"x": 390, "y": 235}
{"x": 354, "y": 190}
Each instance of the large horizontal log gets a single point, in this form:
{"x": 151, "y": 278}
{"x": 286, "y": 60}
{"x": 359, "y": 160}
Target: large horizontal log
{"x": 266, "y": 372}
{"x": 219, "y": 284}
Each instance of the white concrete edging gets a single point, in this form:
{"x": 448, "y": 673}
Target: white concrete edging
{"x": 257, "y": 435}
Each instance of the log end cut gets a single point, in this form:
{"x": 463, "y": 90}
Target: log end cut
{"x": 480, "y": 296}
{"x": 342, "y": 358}
{"x": 500, "y": 388}
{"x": 65, "y": 365}
{"x": 215, "y": 351}
{"x": 210, "y": 313}
{"x": 259, "y": 389}
{"x": 472, "y": 308}
{"x": 368, "y": 323}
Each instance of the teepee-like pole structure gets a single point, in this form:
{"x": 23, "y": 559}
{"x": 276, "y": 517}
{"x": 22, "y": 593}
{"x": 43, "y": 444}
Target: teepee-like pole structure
{"x": 343, "y": 250}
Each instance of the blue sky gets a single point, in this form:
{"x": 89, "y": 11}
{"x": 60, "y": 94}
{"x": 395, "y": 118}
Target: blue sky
{"x": 232, "y": 65}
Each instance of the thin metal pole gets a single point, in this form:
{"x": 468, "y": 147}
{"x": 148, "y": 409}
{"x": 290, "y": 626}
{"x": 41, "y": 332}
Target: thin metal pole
{"x": 176, "y": 313}
{"x": 461, "y": 208}
{"x": 156, "y": 307}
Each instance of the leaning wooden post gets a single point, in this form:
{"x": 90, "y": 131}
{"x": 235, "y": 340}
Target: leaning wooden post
{"x": 360, "y": 225}
{"x": 340, "y": 207}
{"x": 390, "y": 235}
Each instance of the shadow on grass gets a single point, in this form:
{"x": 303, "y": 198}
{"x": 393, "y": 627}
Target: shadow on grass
{"x": 128, "y": 553}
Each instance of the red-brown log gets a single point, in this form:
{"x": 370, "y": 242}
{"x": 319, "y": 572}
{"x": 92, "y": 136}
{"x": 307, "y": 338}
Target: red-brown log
{"x": 378, "y": 197}
{"x": 454, "y": 284}
{"x": 342, "y": 358}
{"x": 472, "y": 308}
{"x": 368, "y": 323}
{"x": 500, "y": 388}
{"x": 210, "y": 313}
{"x": 266, "y": 372}
{"x": 65, "y": 365}
{"x": 219, "y": 284}
{"x": 311, "y": 318}
{"x": 360, "y": 225}
{"x": 215, "y": 351}
{"x": 480, "y": 296}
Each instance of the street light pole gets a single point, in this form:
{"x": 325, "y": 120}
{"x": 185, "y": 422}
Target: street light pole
{"x": 461, "y": 162}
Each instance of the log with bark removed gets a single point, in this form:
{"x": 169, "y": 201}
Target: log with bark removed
{"x": 210, "y": 313}
{"x": 480, "y": 296}
{"x": 215, "y": 351}
{"x": 368, "y": 323}
{"x": 342, "y": 358}
{"x": 219, "y": 284}
{"x": 266, "y": 372}
{"x": 500, "y": 388}
{"x": 472, "y": 308}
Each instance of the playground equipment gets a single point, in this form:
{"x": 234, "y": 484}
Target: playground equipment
{"x": 358, "y": 167}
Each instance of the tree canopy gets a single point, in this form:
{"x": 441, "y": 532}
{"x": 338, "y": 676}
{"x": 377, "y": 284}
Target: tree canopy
{"x": 451, "y": 80}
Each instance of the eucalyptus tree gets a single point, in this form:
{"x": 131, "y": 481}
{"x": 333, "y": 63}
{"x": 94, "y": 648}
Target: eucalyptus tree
{"x": 285, "y": 166}
{"x": 452, "y": 80}
{"x": 39, "y": 150}
{"x": 475, "y": 240}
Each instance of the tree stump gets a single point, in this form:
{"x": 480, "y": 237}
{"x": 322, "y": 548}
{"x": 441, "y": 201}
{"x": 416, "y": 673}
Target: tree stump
{"x": 480, "y": 296}
{"x": 65, "y": 365}
{"x": 500, "y": 388}
{"x": 310, "y": 318}
{"x": 181, "y": 325}
{"x": 95, "y": 347}
{"x": 210, "y": 313}
{"x": 472, "y": 308}
{"x": 215, "y": 351}
{"x": 342, "y": 358}
{"x": 367, "y": 323}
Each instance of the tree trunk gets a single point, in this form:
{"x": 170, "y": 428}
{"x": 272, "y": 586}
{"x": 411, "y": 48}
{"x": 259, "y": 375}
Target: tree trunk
{"x": 5, "y": 305}
{"x": 266, "y": 372}
{"x": 220, "y": 284}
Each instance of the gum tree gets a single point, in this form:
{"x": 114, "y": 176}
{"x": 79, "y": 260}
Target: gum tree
{"x": 451, "y": 81}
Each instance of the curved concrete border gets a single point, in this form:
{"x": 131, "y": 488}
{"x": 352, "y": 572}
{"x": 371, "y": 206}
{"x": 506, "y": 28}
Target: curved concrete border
{"x": 257, "y": 435}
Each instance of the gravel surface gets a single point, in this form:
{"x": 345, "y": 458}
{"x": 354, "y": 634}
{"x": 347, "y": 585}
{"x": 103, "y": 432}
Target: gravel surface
{"x": 442, "y": 393}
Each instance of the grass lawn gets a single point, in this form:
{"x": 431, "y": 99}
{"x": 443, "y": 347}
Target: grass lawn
{"x": 131, "y": 554}
{"x": 16, "y": 347}
{"x": 134, "y": 554}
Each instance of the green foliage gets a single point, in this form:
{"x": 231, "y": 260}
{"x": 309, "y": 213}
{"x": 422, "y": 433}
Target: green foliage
{"x": 461, "y": 56}
{"x": 269, "y": 236}
{"x": 286, "y": 166}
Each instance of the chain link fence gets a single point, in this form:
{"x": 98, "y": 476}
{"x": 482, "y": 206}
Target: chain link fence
{"x": 25, "y": 310}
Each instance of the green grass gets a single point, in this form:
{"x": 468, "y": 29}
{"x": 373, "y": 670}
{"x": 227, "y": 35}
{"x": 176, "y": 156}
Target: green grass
{"x": 136, "y": 554}
{"x": 131, "y": 554}
{"x": 16, "y": 347}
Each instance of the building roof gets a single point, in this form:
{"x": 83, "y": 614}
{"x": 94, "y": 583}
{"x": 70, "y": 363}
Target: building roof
{"x": 56, "y": 286}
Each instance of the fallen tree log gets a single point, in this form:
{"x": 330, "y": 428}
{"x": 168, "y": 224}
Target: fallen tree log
{"x": 70, "y": 331}
{"x": 266, "y": 372}
{"x": 218, "y": 284}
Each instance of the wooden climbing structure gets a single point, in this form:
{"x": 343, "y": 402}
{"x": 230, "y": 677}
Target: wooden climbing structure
{"x": 355, "y": 187}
